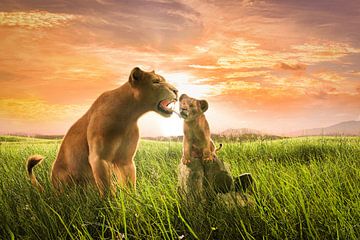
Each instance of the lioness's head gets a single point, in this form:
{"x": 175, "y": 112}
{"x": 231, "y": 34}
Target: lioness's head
{"x": 153, "y": 90}
{"x": 191, "y": 108}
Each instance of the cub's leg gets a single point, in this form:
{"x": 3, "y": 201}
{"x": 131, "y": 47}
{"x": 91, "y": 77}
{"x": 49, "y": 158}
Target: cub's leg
{"x": 207, "y": 152}
{"x": 186, "y": 151}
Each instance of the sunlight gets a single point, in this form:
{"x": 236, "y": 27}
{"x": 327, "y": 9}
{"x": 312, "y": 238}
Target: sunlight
{"x": 160, "y": 126}
{"x": 172, "y": 126}
{"x": 189, "y": 84}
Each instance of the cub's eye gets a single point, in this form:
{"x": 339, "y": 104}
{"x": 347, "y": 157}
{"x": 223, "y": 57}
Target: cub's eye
{"x": 156, "y": 81}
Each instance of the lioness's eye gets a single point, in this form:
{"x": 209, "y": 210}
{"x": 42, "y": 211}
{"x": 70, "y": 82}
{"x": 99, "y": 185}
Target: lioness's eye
{"x": 156, "y": 81}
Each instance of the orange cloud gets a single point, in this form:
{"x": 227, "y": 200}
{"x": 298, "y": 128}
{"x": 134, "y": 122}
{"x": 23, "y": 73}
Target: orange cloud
{"x": 256, "y": 65}
{"x": 38, "y": 110}
{"x": 292, "y": 67}
{"x": 35, "y": 19}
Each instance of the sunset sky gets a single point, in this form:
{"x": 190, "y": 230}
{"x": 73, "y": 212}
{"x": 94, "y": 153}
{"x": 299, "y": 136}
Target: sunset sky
{"x": 272, "y": 65}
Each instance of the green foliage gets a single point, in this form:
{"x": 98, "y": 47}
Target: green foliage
{"x": 307, "y": 188}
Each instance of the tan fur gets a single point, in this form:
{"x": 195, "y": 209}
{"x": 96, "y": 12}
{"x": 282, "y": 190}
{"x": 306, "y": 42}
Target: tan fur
{"x": 201, "y": 177}
{"x": 197, "y": 142}
{"x": 200, "y": 171}
{"x": 105, "y": 139}
{"x": 30, "y": 163}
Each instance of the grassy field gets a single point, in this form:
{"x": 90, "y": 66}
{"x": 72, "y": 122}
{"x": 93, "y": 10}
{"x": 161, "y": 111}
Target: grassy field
{"x": 307, "y": 188}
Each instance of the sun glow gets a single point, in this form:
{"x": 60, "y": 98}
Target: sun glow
{"x": 172, "y": 126}
{"x": 189, "y": 84}
{"x": 185, "y": 83}
{"x": 152, "y": 124}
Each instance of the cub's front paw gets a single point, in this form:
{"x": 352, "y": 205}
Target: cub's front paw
{"x": 207, "y": 156}
{"x": 185, "y": 160}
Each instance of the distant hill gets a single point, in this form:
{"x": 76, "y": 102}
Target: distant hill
{"x": 349, "y": 128}
{"x": 231, "y": 132}
{"x": 243, "y": 134}
{"x": 238, "y": 134}
{"x": 40, "y": 136}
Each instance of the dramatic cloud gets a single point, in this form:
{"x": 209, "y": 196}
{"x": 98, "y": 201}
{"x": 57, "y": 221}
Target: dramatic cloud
{"x": 272, "y": 65}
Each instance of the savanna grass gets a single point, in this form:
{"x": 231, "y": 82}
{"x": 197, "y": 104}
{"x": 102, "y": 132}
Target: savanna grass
{"x": 307, "y": 188}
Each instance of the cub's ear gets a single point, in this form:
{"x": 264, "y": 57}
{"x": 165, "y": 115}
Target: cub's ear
{"x": 135, "y": 75}
{"x": 204, "y": 105}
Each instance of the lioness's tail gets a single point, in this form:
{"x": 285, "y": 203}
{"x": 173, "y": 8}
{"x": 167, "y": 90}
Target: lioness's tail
{"x": 30, "y": 163}
{"x": 220, "y": 146}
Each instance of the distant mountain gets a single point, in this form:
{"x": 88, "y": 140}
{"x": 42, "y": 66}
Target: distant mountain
{"x": 239, "y": 134}
{"x": 231, "y": 132}
{"x": 349, "y": 128}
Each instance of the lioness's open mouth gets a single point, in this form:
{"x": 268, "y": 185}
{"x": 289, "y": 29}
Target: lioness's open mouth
{"x": 167, "y": 106}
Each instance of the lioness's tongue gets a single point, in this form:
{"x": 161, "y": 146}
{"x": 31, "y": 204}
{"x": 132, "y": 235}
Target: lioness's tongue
{"x": 164, "y": 103}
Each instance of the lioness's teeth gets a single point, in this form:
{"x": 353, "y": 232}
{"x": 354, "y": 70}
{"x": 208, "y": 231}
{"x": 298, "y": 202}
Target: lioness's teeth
{"x": 171, "y": 105}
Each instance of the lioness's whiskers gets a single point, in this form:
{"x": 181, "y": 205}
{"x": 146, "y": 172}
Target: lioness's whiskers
{"x": 178, "y": 114}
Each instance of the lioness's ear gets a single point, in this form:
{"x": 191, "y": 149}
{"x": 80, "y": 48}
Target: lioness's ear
{"x": 135, "y": 75}
{"x": 204, "y": 105}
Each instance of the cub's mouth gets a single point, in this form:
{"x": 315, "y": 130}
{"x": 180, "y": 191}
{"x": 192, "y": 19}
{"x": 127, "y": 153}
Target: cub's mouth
{"x": 184, "y": 114}
{"x": 167, "y": 106}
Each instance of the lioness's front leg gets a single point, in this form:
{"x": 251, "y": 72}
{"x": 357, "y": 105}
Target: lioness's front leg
{"x": 100, "y": 161}
{"x": 126, "y": 175}
{"x": 124, "y": 166}
{"x": 102, "y": 172}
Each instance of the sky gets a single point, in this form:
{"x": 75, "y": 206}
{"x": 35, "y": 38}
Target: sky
{"x": 272, "y": 65}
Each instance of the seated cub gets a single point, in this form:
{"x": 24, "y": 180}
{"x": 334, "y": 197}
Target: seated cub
{"x": 200, "y": 170}
{"x": 197, "y": 141}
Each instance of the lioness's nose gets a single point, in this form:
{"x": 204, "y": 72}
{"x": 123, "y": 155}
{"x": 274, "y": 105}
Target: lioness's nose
{"x": 175, "y": 91}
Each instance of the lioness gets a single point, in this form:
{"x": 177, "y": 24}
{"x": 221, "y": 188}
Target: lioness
{"x": 106, "y": 137}
{"x": 200, "y": 169}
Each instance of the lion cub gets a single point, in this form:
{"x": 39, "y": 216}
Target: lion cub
{"x": 200, "y": 169}
{"x": 202, "y": 174}
{"x": 197, "y": 141}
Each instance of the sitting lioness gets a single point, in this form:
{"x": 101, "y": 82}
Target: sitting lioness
{"x": 105, "y": 139}
{"x": 200, "y": 169}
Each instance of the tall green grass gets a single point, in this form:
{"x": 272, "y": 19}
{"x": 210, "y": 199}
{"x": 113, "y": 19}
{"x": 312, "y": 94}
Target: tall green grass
{"x": 307, "y": 188}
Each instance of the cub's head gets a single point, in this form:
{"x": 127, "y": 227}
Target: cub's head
{"x": 153, "y": 91}
{"x": 191, "y": 108}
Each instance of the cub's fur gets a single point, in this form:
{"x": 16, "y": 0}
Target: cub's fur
{"x": 105, "y": 139}
{"x": 200, "y": 171}
{"x": 197, "y": 141}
